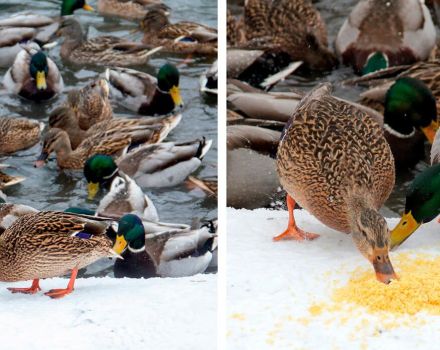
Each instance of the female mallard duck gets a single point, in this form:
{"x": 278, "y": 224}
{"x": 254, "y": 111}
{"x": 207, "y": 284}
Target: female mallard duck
{"x": 65, "y": 243}
{"x": 125, "y": 196}
{"x": 342, "y": 186}
{"x": 145, "y": 130}
{"x": 130, "y": 9}
{"x": 208, "y": 80}
{"x": 57, "y": 140}
{"x": 101, "y": 51}
{"x": 422, "y": 203}
{"x": 159, "y": 165}
{"x": 17, "y": 134}
{"x": 379, "y": 34}
{"x": 181, "y": 37}
{"x": 33, "y": 75}
{"x": 165, "y": 250}
{"x": 142, "y": 93}
{"x": 9, "y": 213}
{"x": 23, "y": 27}
{"x": 294, "y": 28}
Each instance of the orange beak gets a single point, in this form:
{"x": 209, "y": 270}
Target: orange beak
{"x": 382, "y": 265}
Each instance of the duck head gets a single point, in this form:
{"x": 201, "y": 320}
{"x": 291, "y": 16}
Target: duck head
{"x": 99, "y": 170}
{"x": 168, "y": 82}
{"x": 131, "y": 234}
{"x": 68, "y": 7}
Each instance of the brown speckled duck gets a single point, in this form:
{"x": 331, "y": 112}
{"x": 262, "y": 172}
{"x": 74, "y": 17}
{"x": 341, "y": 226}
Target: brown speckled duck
{"x": 17, "y": 134}
{"x": 49, "y": 244}
{"x": 335, "y": 162}
{"x": 129, "y": 9}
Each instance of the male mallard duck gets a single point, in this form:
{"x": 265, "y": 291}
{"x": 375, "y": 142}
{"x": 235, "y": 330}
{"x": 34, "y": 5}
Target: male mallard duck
{"x": 208, "y": 80}
{"x": 422, "y": 202}
{"x": 125, "y": 196}
{"x": 144, "y": 94}
{"x": 130, "y": 9}
{"x": 57, "y": 140}
{"x": 166, "y": 250}
{"x": 33, "y": 75}
{"x": 23, "y": 27}
{"x": 291, "y": 27}
{"x": 378, "y": 34}
{"x": 102, "y": 50}
{"x": 159, "y": 165}
{"x": 343, "y": 186}
{"x": 17, "y": 134}
{"x": 65, "y": 243}
{"x": 145, "y": 130}
{"x": 9, "y": 213}
{"x": 181, "y": 37}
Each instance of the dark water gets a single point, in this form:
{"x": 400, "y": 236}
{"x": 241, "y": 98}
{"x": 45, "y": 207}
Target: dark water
{"x": 334, "y": 13}
{"x": 50, "y": 188}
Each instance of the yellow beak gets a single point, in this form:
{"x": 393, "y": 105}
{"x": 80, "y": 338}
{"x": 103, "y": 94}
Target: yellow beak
{"x": 430, "y": 131}
{"x": 405, "y": 228}
{"x": 175, "y": 95}
{"x": 120, "y": 244}
{"x": 88, "y": 7}
{"x": 92, "y": 189}
{"x": 41, "y": 81}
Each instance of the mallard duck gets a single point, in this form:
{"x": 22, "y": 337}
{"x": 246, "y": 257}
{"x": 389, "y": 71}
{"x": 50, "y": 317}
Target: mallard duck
{"x": 9, "y": 213}
{"x": 23, "y": 27}
{"x": 101, "y": 51}
{"x": 141, "y": 131}
{"x": 379, "y": 34}
{"x": 208, "y": 80}
{"x": 181, "y": 37}
{"x": 125, "y": 196}
{"x": 151, "y": 166}
{"x": 65, "y": 243}
{"x": 422, "y": 202}
{"x": 57, "y": 140}
{"x": 144, "y": 94}
{"x": 343, "y": 186}
{"x": 291, "y": 27}
{"x": 130, "y": 9}
{"x": 33, "y": 75}
{"x": 17, "y": 134}
{"x": 165, "y": 250}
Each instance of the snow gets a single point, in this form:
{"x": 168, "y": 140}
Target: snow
{"x": 109, "y": 313}
{"x": 272, "y": 285}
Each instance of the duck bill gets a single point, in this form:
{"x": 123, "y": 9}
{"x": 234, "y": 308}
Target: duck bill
{"x": 41, "y": 160}
{"x": 175, "y": 95}
{"x": 120, "y": 244}
{"x": 41, "y": 81}
{"x": 92, "y": 190}
{"x": 430, "y": 131}
{"x": 382, "y": 266}
{"x": 87, "y": 7}
{"x": 405, "y": 228}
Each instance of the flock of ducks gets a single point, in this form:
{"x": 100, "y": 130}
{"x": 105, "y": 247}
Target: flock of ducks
{"x": 121, "y": 156}
{"x": 334, "y": 157}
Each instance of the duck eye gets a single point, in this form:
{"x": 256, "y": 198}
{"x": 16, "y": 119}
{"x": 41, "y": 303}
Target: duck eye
{"x": 364, "y": 234}
{"x": 378, "y": 257}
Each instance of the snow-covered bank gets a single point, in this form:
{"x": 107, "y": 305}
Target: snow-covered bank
{"x": 108, "y": 313}
{"x": 272, "y": 285}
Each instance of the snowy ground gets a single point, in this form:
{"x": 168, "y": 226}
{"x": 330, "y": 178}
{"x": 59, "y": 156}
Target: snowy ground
{"x": 108, "y": 313}
{"x": 272, "y": 285}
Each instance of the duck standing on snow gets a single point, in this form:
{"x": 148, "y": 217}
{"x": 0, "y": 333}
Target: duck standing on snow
{"x": 335, "y": 162}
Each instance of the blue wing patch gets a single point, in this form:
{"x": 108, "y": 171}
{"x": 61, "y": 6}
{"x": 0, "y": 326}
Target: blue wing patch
{"x": 82, "y": 235}
{"x": 187, "y": 40}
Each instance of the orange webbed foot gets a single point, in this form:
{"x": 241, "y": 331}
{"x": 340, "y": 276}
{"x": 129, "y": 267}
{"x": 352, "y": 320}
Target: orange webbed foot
{"x": 58, "y": 293}
{"x": 31, "y": 290}
{"x": 296, "y": 234}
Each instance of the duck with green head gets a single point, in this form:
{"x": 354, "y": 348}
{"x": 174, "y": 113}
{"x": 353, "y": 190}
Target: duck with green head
{"x": 68, "y": 7}
{"x": 143, "y": 93}
{"x": 99, "y": 171}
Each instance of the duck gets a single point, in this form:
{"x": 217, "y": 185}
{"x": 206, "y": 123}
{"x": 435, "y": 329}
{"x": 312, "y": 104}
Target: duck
{"x": 57, "y": 140}
{"x": 181, "y": 37}
{"x": 66, "y": 243}
{"x": 152, "y": 166}
{"x": 235, "y": 30}
{"x": 379, "y": 34}
{"x": 208, "y": 80}
{"x": 125, "y": 196}
{"x": 144, "y": 94}
{"x": 294, "y": 28}
{"x": 142, "y": 131}
{"x": 18, "y": 134}
{"x": 131, "y": 10}
{"x": 23, "y": 27}
{"x": 7, "y": 180}
{"x": 100, "y": 51}
{"x": 10, "y": 212}
{"x": 165, "y": 250}
{"x": 343, "y": 187}
{"x": 33, "y": 75}
{"x": 422, "y": 200}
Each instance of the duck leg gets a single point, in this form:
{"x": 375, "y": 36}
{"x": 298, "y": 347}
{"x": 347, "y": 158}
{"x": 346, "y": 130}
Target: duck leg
{"x": 31, "y": 290}
{"x": 59, "y": 293}
{"x": 293, "y": 231}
